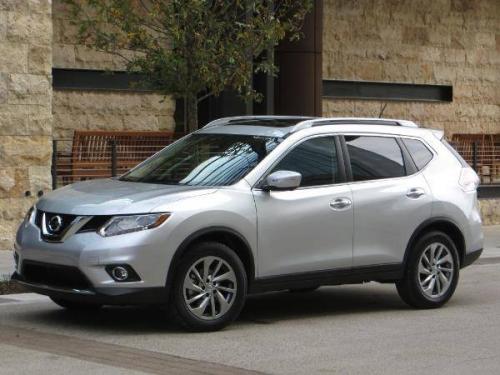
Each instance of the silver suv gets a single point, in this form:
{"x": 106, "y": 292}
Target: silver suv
{"x": 257, "y": 204}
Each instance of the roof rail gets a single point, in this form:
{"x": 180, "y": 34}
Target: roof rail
{"x": 352, "y": 121}
{"x": 235, "y": 119}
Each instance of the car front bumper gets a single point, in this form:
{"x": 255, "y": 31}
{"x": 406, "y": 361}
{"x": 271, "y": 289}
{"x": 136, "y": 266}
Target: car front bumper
{"x": 80, "y": 266}
{"x": 105, "y": 296}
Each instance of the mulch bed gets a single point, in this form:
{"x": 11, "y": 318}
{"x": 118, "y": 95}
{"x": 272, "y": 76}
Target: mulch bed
{"x": 10, "y": 287}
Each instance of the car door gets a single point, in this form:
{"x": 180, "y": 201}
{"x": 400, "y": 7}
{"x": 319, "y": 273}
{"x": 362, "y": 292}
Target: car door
{"x": 309, "y": 228}
{"x": 390, "y": 198}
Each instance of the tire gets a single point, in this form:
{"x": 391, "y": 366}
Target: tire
{"x": 417, "y": 287}
{"x": 304, "y": 290}
{"x": 75, "y": 306}
{"x": 211, "y": 308}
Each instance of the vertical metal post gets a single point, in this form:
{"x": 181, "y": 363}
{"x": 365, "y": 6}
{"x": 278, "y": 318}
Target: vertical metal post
{"x": 270, "y": 79}
{"x": 474, "y": 156}
{"x": 113, "y": 158}
{"x": 53, "y": 167}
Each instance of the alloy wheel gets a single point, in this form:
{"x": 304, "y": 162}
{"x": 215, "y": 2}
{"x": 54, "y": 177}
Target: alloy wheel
{"x": 435, "y": 270}
{"x": 210, "y": 288}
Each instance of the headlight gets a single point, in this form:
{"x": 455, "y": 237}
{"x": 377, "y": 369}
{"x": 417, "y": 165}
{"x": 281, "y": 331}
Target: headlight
{"x": 135, "y": 223}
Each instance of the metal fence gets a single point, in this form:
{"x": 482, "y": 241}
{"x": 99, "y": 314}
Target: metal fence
{"x": 483, "y": 158}
{"x": 70, "y": 164}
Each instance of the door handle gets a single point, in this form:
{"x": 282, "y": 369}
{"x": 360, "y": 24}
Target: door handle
{"x": 340, "y": 204}
{"x": 415, "y": 193}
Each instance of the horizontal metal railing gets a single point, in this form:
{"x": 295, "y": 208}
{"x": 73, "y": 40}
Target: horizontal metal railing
{"x": 70, "y": 164}
{"x": 483, "y": 158}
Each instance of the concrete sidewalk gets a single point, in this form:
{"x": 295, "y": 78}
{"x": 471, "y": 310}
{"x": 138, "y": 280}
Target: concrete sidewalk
{"x": 491, "y": 249}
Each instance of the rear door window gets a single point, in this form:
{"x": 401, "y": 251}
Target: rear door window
{"x": 374, "y": 157}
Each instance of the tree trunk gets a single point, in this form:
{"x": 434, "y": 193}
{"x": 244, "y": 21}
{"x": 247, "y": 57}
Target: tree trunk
{"x": 192, "y": 113}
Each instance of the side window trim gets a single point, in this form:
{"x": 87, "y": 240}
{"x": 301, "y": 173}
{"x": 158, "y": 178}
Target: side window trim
{"x": 425, "y": 144}
{"x": 410, "y": 166}
{"x": 339, "y": 154}
{"x": 346, "y": 158}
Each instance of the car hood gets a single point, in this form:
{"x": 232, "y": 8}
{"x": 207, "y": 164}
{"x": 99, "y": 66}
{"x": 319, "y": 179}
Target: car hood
{"x": 114, "y": 197}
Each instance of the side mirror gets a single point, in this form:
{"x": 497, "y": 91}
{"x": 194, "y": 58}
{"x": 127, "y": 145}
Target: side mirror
{"x": 282, "y": 180}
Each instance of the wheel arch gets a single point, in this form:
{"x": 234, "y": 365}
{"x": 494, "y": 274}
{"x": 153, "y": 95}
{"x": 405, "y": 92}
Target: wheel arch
{"x": 442, "y": 224}
{"x": 229, "y": 237}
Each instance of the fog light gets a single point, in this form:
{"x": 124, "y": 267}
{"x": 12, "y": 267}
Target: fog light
{"x": 122, "y": 273}
{"x": 119, "y": 273}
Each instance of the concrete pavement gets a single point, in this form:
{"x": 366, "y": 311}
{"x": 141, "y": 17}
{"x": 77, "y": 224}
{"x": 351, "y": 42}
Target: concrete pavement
{"x": 491, "y": 241}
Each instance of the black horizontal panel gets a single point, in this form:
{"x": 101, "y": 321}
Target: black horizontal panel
{"x": 488, "y": 191}
{"x": 338, "y": 89}
{"x": 82, "y": 79}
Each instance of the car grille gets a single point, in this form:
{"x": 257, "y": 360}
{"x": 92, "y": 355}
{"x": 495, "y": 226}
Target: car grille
{"x": 53, "y": 275}
{"x": 55, "y": 236}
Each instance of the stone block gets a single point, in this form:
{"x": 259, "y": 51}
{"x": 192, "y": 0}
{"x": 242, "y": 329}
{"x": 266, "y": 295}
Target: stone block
{"x": 490, "y": 211}
{"x": 14, "y": 182}
{"x": 13, "y": 57}
{"x": 29, "y": 89}
{"x": 40, "y": 178}
{"x": 415, "y": 35}
{"x": 3, "y": 25}
{"x": 7, "y": 180}
{"x": 485, "y": 39}
{"x": 63, "y": 56}
{"x": 87, "y": 58}
{"x": 4, "y": 88}
{"x": 13, "y": 119}
{"x": 40, "y": 60}
{"x": 141, "y": 122}
{"x": 32, "y": 28}
{"x": 15, "y": 208}
{"x": 14, "y": 5}
{"x": 25, "y": 150}
{"x": 40, "y": 6}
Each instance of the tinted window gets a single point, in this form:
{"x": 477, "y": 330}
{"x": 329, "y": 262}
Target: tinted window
{"x": 373, "y": 158}
{"x": 419, "y": 153}
{"x": 315, "y": 160}
{"x": 204, "y": 160}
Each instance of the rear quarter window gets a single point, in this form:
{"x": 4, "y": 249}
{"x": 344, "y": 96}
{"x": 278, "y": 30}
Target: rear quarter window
{"x": 419, "y": 152}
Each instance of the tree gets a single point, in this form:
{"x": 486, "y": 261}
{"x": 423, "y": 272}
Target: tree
{"x": 191, "y": 49}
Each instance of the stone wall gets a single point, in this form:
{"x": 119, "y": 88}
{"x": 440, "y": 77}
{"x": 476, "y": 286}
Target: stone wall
{"x": 108, "y": 110}
{"x": 25, "y": 109}
{"x": 453, "y": 42}
{"x": 490, "y": 211}
{"x": 99, "y": 110}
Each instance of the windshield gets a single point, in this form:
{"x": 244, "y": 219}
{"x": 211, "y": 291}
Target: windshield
{"x": 204, "y": 160}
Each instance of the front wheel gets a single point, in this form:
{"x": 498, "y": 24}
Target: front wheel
{"x": 432, "y": 271}
{"x": 209, "y": 287}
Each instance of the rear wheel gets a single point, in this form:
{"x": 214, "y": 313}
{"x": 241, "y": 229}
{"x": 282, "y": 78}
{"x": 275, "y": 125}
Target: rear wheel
{"x": 209, "y": 287}
{"x": 432, "y": 272}
{"x": 75, "y": 306}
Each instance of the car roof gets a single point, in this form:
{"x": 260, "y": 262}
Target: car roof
{"x": 283, "y": 126}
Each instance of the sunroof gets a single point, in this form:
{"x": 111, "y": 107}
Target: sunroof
{"x": 270, "y": 122}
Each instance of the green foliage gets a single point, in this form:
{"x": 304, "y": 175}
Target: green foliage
{"x": 188, "y": 47}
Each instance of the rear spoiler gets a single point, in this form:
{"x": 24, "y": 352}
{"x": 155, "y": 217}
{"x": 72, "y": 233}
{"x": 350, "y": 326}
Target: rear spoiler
{"x": 439, "y": 134}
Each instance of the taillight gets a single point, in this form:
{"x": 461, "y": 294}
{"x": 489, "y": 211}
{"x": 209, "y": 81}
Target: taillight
{"x": 469, "y": 180}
